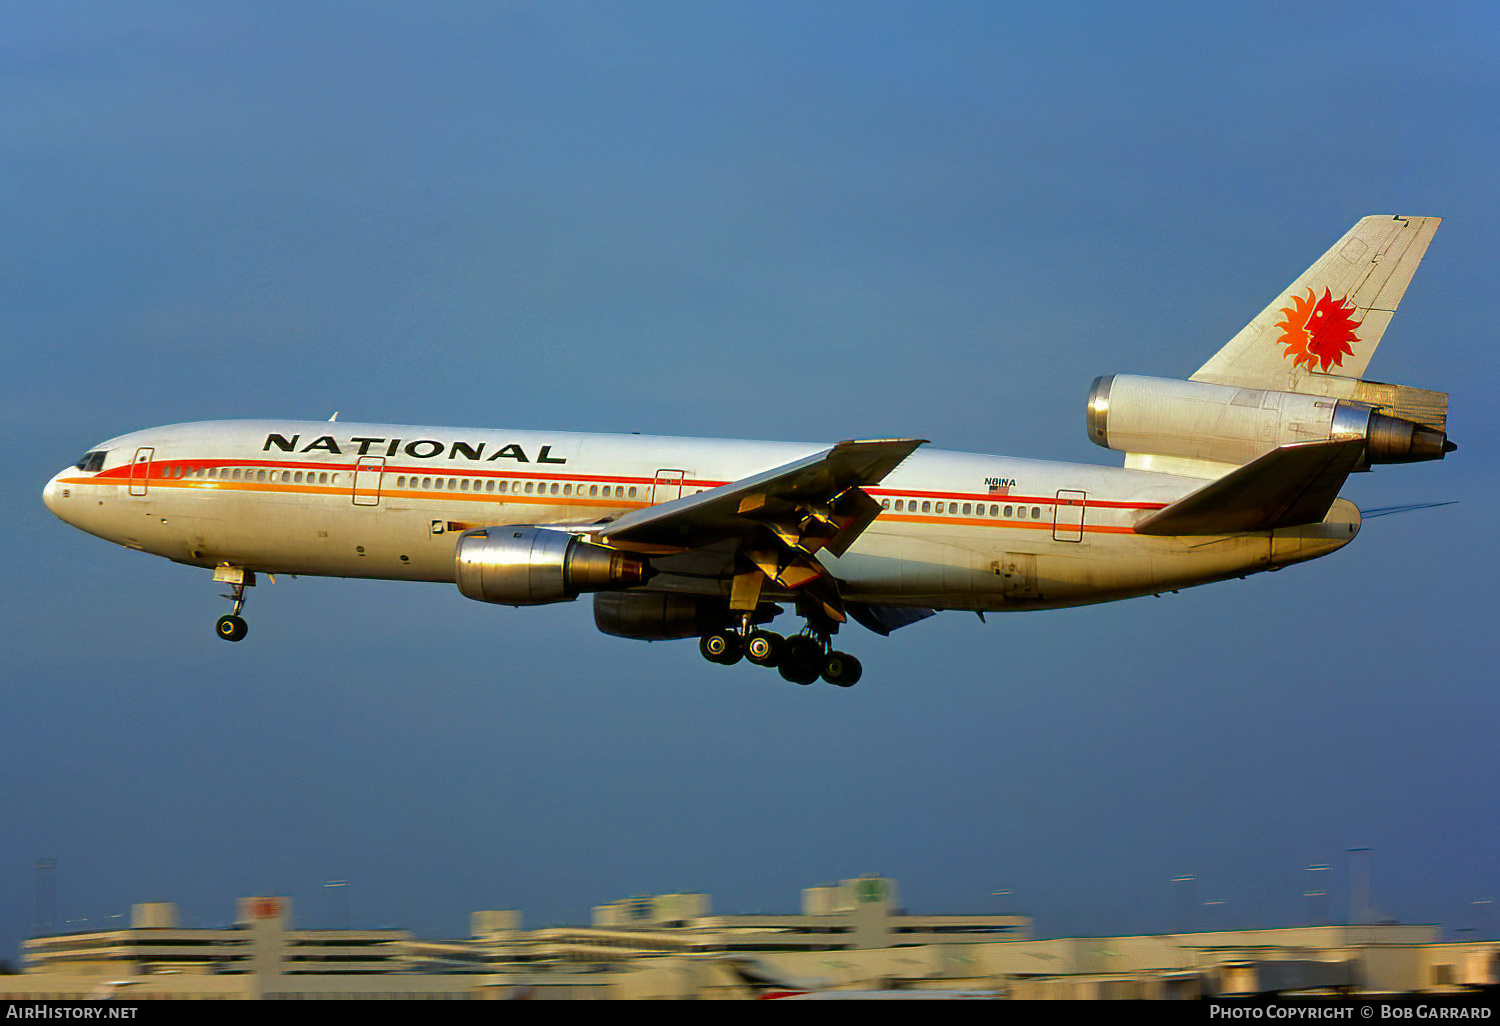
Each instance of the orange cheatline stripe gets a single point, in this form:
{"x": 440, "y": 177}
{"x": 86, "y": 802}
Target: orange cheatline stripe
{"x": 1029, "y": 525}
{"x": 499, "y": 498}
{"x": 518, "y": 473}
{"x": 511, "y": 472}
{"x": 344, "y": 491}
{"x": 1017, "y": 499}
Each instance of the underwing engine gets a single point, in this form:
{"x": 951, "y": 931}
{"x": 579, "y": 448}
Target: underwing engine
{"x": 528, "y": 566}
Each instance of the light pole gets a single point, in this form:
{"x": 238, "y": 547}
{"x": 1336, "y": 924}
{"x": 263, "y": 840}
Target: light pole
{"x": 340, "y": 887}
{"x": 46, "y": 895}
{"x": 1359, "y": 886}
{"x": 1184, "y": 901}
{"x": 1317, "y": 910}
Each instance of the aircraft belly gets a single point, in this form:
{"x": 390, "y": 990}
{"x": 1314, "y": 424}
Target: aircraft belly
{"x": 1014, "y": 570}
{"x": 287, "y": 534}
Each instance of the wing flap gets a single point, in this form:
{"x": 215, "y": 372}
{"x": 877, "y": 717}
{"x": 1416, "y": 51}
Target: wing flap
{"x": 1295, "y": 484}
{"x": 801, "y": 501}
{"x": 778, "y": 520}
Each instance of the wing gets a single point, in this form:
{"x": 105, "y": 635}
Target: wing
{"x": 776, "y": 521}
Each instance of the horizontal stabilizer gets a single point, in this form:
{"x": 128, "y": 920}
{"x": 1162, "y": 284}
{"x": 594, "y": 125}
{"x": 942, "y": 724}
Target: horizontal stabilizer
{"x": 1295, "y": 484}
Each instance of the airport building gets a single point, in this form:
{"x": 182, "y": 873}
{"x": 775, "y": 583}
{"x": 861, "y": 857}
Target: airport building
{"x": 849, "y": 939}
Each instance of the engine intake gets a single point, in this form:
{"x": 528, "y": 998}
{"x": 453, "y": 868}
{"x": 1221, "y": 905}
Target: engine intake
{"x": 529, "y": 566}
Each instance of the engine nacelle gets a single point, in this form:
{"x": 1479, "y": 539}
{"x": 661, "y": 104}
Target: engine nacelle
{"x": 528, "y": 566}
{"x": 658, "y": 616}
{"x": 1221, "y": 423}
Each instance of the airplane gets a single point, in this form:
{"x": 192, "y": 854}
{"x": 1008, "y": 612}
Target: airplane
{"x": 1232, "y": 471}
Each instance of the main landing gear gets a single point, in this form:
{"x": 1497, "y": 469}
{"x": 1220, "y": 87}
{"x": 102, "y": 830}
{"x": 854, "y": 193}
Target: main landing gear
{"x": 800, "y": 659}
{"x": 232, "y": 627}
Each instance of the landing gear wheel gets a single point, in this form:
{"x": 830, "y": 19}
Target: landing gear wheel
{"x": 842, "y": 669}
{"x": 763, "y": 648}
{"x": 802, "y": 661}
{"x": 232, "y": 628}
{"x": 722, "y": 647}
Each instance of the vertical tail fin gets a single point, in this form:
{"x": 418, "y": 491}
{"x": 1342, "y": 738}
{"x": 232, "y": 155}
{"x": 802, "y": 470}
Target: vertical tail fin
{"x": 1329, "y": 321}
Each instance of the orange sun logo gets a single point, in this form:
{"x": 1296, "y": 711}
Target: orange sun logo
{"x": 1318, "y": 333}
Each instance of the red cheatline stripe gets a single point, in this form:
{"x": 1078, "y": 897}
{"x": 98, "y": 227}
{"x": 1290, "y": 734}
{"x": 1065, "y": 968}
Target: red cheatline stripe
{"x": 513, "y": 473}
{"x": 571, "y": 500}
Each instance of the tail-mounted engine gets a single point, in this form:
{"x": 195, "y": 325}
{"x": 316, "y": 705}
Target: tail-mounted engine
{"x": 527, "y": 566}
{"x": 1196, "y": 420}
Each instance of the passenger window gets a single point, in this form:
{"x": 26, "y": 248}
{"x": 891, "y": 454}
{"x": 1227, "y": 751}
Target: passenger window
{"x": 927, "y": 507}
{"x": 554, "y": 487}
{"x": 426, "y": 482}
{"x": 593, "y": 489}
{"x": 968, "y": 508}
{"x": 606, "y": 491}
{"x": 885, "y": 503}
{"x": 632, "y": 493}
{"x": 500, "y": 487}
{"x": 1010, "y": 510}
{"x": 464, "y": 484}
{"x": 994, "y": 511}
{"x": 567, "y": 489}
{"x": 530, "y": 487}
{"x": 1036, "y": 513}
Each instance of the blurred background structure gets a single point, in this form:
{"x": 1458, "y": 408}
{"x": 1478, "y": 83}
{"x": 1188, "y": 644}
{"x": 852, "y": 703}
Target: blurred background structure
{"x": 849, "y": 938}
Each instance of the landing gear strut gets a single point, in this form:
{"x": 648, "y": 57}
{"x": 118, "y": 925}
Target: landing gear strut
{"x": 232, "y": 627}
{"x": 800, "y": 659}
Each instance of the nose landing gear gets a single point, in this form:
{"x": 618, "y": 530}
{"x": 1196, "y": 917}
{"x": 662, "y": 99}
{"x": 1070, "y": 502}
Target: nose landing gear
{"x": 232, "y": 627}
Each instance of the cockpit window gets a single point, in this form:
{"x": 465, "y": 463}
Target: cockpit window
{"x": 91, "y": 462}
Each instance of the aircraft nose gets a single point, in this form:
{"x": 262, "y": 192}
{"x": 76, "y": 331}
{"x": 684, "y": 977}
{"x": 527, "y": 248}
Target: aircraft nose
{"x": 53, "y": 496}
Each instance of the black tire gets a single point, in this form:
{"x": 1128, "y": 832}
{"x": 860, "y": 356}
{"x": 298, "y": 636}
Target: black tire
{"x": 232, "y": 628}
{"x": 802, "y": 660}
{"x": 795, "y": 676}
{"x": 721, "y": 647}
{"x": 842, "y": 669}
{"x": 764, "y": 648}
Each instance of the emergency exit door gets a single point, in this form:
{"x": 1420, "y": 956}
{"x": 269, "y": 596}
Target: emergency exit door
{"x": 667, "y": 485}
{"x": 367, "y": 480}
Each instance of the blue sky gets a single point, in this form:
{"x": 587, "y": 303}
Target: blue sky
{"x": 804, "y": 221}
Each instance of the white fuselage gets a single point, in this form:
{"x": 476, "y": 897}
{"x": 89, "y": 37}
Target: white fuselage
{"x": 956, "y": 531}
